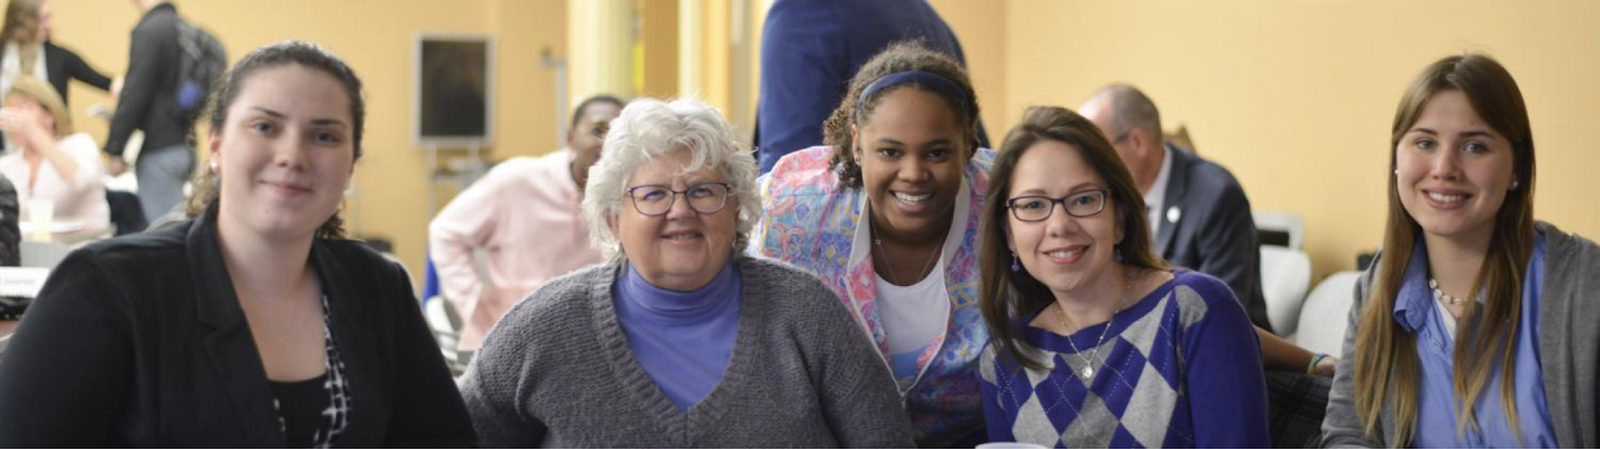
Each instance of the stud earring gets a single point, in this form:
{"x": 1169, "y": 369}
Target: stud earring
{"x": 213, "y": 165}
{"x": 1514, "y": 185}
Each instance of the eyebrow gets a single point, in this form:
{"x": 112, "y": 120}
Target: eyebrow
{"x": 1073, "y": 191}
{"x": 315, "y": 121}
{"x": 890, "y": 140}
{"x": 1469, "y": 133}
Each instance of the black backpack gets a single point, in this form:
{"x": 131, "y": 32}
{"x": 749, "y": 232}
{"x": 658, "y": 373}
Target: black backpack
{"x": 201, "y": 61}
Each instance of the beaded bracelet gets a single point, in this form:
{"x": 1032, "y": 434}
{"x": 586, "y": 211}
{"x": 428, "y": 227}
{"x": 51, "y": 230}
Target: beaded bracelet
{"x": 1311, "y": 368}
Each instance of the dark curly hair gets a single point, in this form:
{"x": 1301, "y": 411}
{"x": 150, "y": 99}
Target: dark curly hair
{"x": 304, "y": 54}
{"x": 903, "y": 56}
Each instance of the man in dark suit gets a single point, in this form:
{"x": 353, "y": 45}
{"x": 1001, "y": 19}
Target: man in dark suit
{"x": 1201, "y": 220}
{"x": 811, "y": 48}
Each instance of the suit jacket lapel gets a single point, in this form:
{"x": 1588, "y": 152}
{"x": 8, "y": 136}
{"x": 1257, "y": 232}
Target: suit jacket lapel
{"x": 1177, "y": 182}
{"x": 227, "y": 341}
{"x": 356, "y": 344}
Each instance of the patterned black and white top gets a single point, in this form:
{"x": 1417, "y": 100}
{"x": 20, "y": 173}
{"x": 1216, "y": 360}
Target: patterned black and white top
{"x": 310, "y": 416}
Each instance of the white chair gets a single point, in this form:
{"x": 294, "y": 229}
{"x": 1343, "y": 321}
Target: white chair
{"x": 1285, "y": 222}
{"x": 1285, "y": 277}
{"x": 1325, "y": 315}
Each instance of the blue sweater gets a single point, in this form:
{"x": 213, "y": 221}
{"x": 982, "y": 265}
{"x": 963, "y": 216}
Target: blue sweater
{"x": 682, "y": 339}
{"x": 1181, "y": 367}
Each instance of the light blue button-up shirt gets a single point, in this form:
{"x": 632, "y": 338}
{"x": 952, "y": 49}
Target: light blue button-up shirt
{"x": 1417, "y": 311}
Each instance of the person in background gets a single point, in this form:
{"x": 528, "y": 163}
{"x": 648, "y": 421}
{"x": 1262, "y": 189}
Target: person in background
{"x": 680, "y": 339}
{"x": 147, "y": 102}
{"x": 811, "y": 48}
{"x": 524, "y": 215}
{"x": 52, "y": 162}
{"x": 1097, "y": 342}
{"x": 1200, "y": 219}
{"x": 1475, "y": 326}
{"x": 254, "y": 324}
{"x": 885, "y": 215}
{"x": 29, "y": 51}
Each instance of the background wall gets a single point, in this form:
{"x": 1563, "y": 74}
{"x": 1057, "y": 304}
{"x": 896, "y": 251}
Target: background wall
{"x": 377, "y": 38}
{"x": 1295, "y": 97}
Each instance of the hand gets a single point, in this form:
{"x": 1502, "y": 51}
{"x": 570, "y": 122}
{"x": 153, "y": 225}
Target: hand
{"x": 1326, "y": 366}
{"x": 21, "y": 124}
{"x": 116, "y": 87}
{"x": 116, "y": 167}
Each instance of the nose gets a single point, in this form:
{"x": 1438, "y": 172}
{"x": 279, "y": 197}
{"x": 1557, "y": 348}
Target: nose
{"x": 1060, "y": 223}
{"x": 289, "y": 153}
{"x": 1446, "y": 165}
{"x": 680, "y": 210}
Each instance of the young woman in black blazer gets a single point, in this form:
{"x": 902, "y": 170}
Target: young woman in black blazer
{"x": 254, "y": 324}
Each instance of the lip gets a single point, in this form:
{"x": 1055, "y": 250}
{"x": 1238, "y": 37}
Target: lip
{"x": 1428, "y": 196}
{"x": 683, "y": 236}
{"x": 1077, "y": 254}
{"x": 287, "y": 188}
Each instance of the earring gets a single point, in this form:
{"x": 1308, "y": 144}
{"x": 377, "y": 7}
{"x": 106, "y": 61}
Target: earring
{"x": 1116, "y": 253}
{"x": 1397, "y": 172}
{"x": 1014, "y": 265}
{"x": 1514, "y": 185}
{"x": 213, "y": 165}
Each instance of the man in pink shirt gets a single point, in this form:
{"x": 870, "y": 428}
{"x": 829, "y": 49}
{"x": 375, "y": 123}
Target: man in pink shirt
{"x": 524, "y": 216}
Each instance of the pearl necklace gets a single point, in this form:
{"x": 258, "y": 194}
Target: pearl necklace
{"x": 1088, "y": 363}
{"x": 1440, "y": 295}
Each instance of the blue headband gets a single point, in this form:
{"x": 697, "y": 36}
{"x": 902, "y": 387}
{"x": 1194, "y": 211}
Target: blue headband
{"x": 932, "y": 80}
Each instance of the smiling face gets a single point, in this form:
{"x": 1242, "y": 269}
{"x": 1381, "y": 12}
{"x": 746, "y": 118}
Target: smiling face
{"x": 911, "y": 150}
{"x": 285, "y": 151}
{"x": 1065, "y": 253}
{"x": 683, "y": 249}
{"x": 1454, "y": 171}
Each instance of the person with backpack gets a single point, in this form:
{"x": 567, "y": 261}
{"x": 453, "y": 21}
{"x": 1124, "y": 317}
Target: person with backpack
{"x": 150, "y": 101}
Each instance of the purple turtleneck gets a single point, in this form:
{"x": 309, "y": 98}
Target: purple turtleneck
{"x": 683, "y": 339}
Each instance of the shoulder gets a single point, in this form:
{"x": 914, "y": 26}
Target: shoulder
{"x": 805, "y": 167}
{"x": 521, "y": 167}
{"x": 355, "y": 255}
{"x": 141, "y": 250}
{"x": 1208, "y": 178}
{"x": 78, "y": 144}
{"x": 1192, "y": 288}
{"x": 792, "y": 294}
{"x": 555, "y": 303}
{"x": 1571, "y": 261}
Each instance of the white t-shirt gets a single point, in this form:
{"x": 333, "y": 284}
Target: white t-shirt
{"x": 913, "y": 317}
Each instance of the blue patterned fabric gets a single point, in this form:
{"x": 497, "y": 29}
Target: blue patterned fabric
{"x": 1180, "y": 368}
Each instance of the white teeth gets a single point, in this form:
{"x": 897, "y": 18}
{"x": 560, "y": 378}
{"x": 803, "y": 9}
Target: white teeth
{"x": 908, "y": 198}
{"x": 1446, "y": 198}
{"x": 1062, "y": 254}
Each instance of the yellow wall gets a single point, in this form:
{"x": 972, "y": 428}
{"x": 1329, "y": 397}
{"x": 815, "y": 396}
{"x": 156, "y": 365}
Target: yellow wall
{"x": 377, "y": 38}
{"x": 1297, "y": 97}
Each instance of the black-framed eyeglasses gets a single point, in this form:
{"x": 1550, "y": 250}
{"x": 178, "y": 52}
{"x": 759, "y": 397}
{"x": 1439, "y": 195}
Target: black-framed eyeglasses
{"x": 655, "y": 200}
{"x": 1033, "y": 208}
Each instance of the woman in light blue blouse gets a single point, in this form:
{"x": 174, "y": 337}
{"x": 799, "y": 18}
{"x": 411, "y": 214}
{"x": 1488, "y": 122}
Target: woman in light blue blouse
{"x": 1476, "y": 328}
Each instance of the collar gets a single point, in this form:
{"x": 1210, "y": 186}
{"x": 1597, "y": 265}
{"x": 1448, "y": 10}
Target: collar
{"x": 861, "y": 248}
{"x": 677, "y": 307}
{"x": 1158, "y": 190}
{"x": 1414, "y": 301}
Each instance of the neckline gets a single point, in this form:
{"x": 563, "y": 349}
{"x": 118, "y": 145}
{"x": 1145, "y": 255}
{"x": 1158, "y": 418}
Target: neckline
{"x": 1085, "y": 337}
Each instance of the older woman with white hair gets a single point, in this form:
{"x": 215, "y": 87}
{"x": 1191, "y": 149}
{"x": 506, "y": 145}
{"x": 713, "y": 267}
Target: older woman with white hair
{"x": 680, "y": 339}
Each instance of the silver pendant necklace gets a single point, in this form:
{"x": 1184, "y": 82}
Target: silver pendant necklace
{"x": 878, "y": 241}
{"x": 1087, "y": 373}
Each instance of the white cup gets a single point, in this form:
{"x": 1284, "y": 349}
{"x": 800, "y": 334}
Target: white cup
{"x": 41, "y": 212}
{"x": 1009, "y": 445}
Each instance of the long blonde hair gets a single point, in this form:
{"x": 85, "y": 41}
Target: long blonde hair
{"x": 1386, "y": 363}
{"x": 22, "y": 27}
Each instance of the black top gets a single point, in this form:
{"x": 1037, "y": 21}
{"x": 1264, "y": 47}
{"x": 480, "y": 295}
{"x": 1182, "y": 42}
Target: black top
{"x": 149, "y": 90}
{"x": 300, "y": 405}
{"x": 140, "y": 341}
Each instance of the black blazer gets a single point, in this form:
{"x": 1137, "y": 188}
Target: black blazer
{"x": 140, "y": 341}
{"x": 1205, "y": 225}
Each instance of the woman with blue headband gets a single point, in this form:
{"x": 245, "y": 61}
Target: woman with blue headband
{"x": 886, "y": 215}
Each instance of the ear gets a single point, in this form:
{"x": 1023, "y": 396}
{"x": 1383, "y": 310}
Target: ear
{"x": 855, "y": 143}
{"x": 215, "y": 143}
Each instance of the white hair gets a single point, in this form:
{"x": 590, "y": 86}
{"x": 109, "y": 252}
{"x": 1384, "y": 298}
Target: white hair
{"x": 649, "y": 128}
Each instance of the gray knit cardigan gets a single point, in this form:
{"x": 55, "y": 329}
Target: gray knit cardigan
{"x": 1569, "y": 351}
{"x": 557, "y": 371}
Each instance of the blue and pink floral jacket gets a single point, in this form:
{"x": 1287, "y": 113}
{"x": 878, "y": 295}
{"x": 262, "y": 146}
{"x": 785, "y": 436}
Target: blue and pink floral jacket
{"x": 810, "y": 222}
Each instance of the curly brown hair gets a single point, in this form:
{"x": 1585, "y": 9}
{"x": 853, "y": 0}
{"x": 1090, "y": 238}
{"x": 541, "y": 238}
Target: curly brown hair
{"x": 903, "y": 56}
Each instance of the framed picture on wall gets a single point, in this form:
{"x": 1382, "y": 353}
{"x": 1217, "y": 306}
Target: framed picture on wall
{"x": 455, "y": 90}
